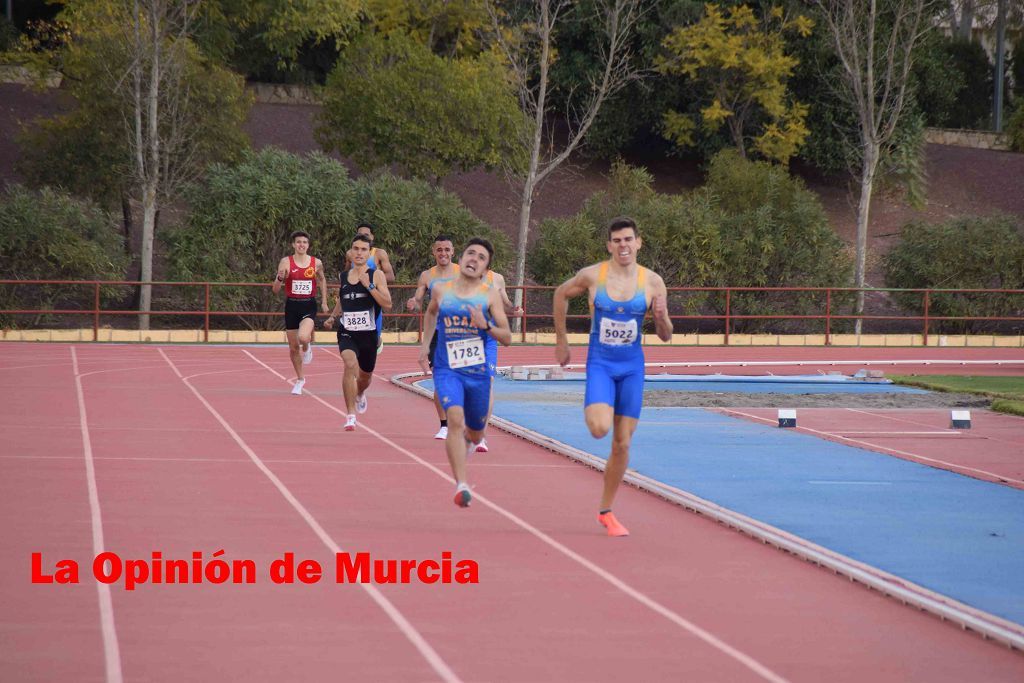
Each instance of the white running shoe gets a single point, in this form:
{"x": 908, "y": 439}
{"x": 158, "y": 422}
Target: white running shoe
{"x": 442, "y": 433}
{"x": 297, "y": 387}
{"x": 307, "y": 355}
{"x": 350, "y": 423}
{"x": 462, "y": 496}
{"x": 480, "y": 447}
{"x": 361, "y": 403}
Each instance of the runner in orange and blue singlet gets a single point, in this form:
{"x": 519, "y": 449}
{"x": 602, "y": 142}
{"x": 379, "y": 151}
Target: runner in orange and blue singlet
{"x": 463, "y": 314}
{"x": 443, "y": 270}
{"x": 620, "y": 292}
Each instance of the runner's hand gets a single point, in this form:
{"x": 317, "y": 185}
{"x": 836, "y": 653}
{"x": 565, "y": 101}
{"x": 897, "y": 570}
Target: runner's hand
{"x": 412, "y": 304}
{"x": 660, "y": 306}
{"x": 282, "y": 273}
{"x": 562, "y": 355}
{"x": 329, "y": 323}
{"x": 477, "y": 317}
{"x": 364, "y": 279}
{"x": 423, "y": 360}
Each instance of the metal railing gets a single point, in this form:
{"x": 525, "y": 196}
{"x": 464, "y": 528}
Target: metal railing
{"x": 728, "y": 318}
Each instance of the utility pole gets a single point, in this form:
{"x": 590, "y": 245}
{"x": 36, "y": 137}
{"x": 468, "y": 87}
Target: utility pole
{"x": 10, "y": 10}
{"x": 1000, "y": 65}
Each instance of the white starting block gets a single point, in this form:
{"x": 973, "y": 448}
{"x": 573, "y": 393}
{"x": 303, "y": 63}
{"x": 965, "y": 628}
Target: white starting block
{"x": 960, "y": 419}
{"x": 787, "y": 417}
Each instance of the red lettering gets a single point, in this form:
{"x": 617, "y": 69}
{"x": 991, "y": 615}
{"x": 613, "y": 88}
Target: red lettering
{"x": 66, "y": 571}
{"x": 351, "y": 572}
{"x": 423, "y": 572}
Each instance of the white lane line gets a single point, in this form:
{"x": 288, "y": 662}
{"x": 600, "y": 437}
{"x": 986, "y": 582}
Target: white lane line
{"x": 111, "y": 650}
{"x": 876, "y": 447}
{"x": 708, "y": 637}
{"x": 439, "y": 666}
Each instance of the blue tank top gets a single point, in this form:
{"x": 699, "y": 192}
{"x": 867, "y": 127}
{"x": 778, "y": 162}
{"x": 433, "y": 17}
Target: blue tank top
{"x": 437, "y": 278}
{"x": 461, "y": 347}
{"x": 617, "y": 326}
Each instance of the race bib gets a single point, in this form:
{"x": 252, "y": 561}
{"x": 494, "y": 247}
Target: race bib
{"x": 358, "y": 321}
{"x": 463, "y": 353}
{"x": 302, "y": 287}
{"x": 617, "y": 332}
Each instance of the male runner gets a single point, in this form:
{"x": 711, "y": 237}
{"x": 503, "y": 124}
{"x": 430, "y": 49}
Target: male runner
{"x": 378, "y": 260}
{"x": 362, "y": 294}
{"x": 302, "y": 276}
{"x": 464, "y": 312}
{"x": 442, "y": 271}
{"x": 620, "y": 292}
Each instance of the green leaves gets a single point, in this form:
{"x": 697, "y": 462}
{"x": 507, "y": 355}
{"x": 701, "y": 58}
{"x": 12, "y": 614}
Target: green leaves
{"x": 740, "y": 62}
{"x": 390, "y": 100}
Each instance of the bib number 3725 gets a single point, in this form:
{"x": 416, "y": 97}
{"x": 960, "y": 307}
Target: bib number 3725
{"x": 618, "y": 332}
{"x": 464, "y": 353}
{"x": 302, "y": 287}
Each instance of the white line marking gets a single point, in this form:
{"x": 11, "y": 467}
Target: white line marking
{"x": 852, "y": 483}
{"x": 111, "y": 650}
{"x": 873, "y": 446}
{"x": 408, "y": 630}
{"x": 643, "y": 599}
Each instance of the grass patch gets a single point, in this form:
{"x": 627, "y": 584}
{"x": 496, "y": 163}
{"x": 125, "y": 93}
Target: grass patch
{"x": 1007, "y": 392}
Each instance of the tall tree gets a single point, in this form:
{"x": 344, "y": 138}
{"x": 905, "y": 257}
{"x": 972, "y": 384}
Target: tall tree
{"x": 740, "y": 60}
{"x": 874, "y": 41}
{"x": 528, "y": 42}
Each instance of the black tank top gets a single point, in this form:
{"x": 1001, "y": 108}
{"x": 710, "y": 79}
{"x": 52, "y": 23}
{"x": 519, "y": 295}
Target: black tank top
{"x": 357, "y": 299}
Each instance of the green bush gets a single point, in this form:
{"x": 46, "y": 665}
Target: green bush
{"x": 1015, "y": 127}
{"x": 972, "y": 107}
{"x": 752, "y": 225}
{"x": 241, "y": 217}
{"x": 48, "y": 235}
{"x": 964, "y": 253}
{"x": 774, "y": 233}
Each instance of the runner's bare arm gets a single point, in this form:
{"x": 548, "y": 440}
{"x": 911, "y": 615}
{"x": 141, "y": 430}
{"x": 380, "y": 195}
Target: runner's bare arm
{"x": 415, "y": 302}
{"x": 384, "y": 264}
{"x": 282, "y": 275}
{"x": 429, "y": 327}
{"x": 500, "y": 329}
{"x": 321, "y": 283}
{"x": 578, "y": 284}
{"x": 380, "y": 292}
{"x": 659, "y": 307}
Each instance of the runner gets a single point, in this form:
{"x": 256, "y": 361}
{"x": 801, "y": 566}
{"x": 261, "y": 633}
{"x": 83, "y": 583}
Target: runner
{"x": 463, "y": 313}
{"x": 302, "y": 276}
{"x": 379, "y": 260}
{"x": 443, "y": 270}
{"x": 620, "y": 292}
{"x": 363, "y": 293}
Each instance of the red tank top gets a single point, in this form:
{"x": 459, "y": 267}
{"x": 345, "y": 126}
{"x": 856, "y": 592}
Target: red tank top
{"x": 301, "y": 282}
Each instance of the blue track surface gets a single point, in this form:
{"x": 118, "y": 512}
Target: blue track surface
{"x": 799, "y": 384}
{"x": 952, "y": 534}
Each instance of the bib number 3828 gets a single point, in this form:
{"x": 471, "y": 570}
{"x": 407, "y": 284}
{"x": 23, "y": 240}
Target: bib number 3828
{"x": 618, "y": 332}
{"x": 464, "y": 353}
{"x": 358, "y": 321}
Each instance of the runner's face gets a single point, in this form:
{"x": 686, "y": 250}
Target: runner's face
{"x": 300, "y": 245}
{"x": 359, "y": 252}
{"x": 365, "y": 231}
{"x": 623, "y": 245}
{"x": 443, "y": 252}
{"x": 474, "y": 261}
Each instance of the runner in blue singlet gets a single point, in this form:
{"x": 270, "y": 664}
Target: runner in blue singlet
{"x": 464, "y": 313}
{"x": 443, "y": 270}
{"x": 620, "y": 292}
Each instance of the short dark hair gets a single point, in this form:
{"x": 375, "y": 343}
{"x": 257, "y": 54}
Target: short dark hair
{"x": 443, "y": 238}
{"x": 483, "y": 243}
{"x": 621, "y": 223}
{"x": 359, "y": 237}
{"x": 299, "y": 233}
{"x": 366, "y": 224}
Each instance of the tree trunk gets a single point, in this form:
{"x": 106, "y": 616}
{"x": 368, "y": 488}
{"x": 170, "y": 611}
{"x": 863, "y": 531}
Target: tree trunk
{"x": 965, "y": 30}
{"x": 867, "y": 181}
{"x": 149, "y": 209}
{"x": 525, "y": 207}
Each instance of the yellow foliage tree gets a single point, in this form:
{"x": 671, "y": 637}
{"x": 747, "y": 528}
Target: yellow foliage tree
{"x": 740, "y": 58}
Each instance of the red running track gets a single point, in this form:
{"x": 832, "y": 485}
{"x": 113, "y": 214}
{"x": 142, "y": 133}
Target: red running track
{"x": 180, "y": 449}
